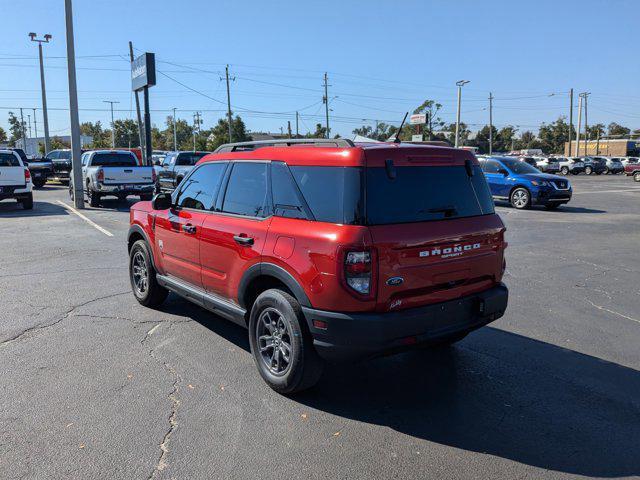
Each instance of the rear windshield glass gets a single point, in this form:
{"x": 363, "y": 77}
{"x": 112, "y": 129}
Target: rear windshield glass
{"x": 190, "y": 158}
{"x": 8, "y": 160}
{"x": 420, "y": 194}
{"x": 113, "y": 160}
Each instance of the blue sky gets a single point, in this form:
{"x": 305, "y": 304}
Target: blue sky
{"x": 383, "y": 58}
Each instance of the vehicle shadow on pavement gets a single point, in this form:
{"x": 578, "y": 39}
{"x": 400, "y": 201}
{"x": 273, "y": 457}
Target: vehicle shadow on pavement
{"x": 11, "y": 208}
{"x": 495, "y": 393}
{"x": 500, "y": 394}
{"x": 561, "y": 209}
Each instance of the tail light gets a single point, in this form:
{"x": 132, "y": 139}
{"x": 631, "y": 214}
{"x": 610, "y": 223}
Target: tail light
{"x": 100, "y": 175}
{"x": 358, "y": 271}
{"x": 27, "y": 175}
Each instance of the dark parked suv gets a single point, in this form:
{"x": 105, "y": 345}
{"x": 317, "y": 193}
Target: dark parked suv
{"x": 327, "y": 250}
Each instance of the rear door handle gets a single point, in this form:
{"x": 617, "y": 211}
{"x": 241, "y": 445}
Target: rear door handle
{"x": 188, "y": 228}
{"x": 243, "y": 240}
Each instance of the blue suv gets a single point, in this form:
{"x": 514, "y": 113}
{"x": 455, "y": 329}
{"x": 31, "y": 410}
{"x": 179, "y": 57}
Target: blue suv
{"x": 523, "y": 185}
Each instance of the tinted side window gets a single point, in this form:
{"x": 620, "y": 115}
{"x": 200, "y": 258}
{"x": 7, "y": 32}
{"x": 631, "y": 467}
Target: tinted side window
{"x": 64, "y": 154}
{"x": 491, "y": 166}
{"x": 52, "y": 155}
{"x": 200, "y": 189}
{"x": 332, "y": 193}
{"x": 286, "y": 200}
{"x": 247, "y": 190}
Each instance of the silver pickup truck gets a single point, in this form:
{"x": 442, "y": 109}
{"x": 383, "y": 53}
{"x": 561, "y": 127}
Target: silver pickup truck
{"x": 114, "y": 173}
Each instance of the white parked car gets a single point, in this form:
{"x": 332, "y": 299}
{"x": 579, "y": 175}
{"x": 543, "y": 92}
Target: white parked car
{"x": 613, "y": 165}
{"x": 15, "y": 179}
{"x": 568, "y": 165}
{"x": 547, "y": 164}
{"x": 627, "y": 160}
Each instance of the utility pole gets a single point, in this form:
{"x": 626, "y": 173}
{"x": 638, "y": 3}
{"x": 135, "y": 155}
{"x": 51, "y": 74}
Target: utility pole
{"x": 586, "y": 124}
{"x": 598, "y": 143}
{"x": 577, "y": 152}
{"x": 24, "y": 131}
{"x": 325, "y": 99}
{"x": 570, "y": 120}
{"x": 139, "y": 115}
{"x": 35, "y": 123}
{"x": 29, "y": 122}
{"x": 490, "y": 123}
{"x": 297, "y": 129}
{"x": 113, "y": 130}
{"x": 229, "y": 101}
{"x": 460, "y": 84}
{"x": 196, "y": 127}
{"x": 289, "y": 128}
{"x": 78, "y": 194}
{"x": 175, "y": 131}
{"x": 45, "y": 116}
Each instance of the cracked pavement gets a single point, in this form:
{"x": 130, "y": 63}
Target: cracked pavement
{"x": 96, "y": 386}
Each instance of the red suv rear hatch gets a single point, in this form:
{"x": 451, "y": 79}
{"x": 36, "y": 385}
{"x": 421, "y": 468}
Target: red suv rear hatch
{"x": 432, "y": 221}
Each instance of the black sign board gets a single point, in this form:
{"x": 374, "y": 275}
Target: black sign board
{"x": 143, "y": 71}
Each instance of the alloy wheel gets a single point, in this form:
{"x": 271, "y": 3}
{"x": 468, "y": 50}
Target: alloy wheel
{"x": 520, "y": 199}
{"x": 273, "y": 333}
{"x": 140, "y": 273}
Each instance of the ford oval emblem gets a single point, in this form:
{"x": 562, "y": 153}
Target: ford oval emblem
{"x": 395, "y": 281}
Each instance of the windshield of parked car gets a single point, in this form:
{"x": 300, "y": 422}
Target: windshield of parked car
{"x": 518, "y": 167}
{"x": 114, "y": 160}
{"x": 190, "y": 158}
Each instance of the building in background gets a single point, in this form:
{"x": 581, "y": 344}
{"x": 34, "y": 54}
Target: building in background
{"x": 605, "y": 147}
{"x": 32, "y": 144}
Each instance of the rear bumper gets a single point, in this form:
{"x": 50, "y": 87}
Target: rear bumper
{"x": 133, "y": 189}
{"x": 351, "y": 336}
{"x": 14, "y": 191}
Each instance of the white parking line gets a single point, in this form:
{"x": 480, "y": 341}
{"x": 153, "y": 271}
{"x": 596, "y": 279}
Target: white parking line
{"x": 609, "y": 191}
{"x": 90, "y": 222}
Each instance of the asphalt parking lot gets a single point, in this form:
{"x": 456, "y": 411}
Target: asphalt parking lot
{"x": 96, "y": 386}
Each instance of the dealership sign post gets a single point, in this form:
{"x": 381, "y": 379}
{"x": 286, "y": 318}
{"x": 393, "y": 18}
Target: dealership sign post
{"x": 417, "y": 119}
{"x": 143, "y": 76}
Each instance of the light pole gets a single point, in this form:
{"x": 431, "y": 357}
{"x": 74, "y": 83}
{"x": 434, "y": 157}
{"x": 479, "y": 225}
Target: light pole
{"x": 113, "y": 130}
{"x": 175, "y": 132}
{"x": 78, "y": 194}
{"x": 45, "y": 116}
{"x": 460, "y": 84}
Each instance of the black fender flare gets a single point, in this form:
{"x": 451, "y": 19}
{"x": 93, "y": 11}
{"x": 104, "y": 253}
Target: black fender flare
{"x": 271, "y": 270}
{"x": 135, "y": 228}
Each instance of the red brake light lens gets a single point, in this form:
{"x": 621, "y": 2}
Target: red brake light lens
{"x": 100, "y": 175}
{"x": 357, "y": 271}
{"x": 27, "y": 175}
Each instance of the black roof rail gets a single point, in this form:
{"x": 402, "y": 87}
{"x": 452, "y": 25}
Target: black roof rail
{"x": 287, "y": 142}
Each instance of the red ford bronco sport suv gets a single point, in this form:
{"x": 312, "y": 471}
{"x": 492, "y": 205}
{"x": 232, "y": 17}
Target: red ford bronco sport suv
{"x": 327, "y": 250}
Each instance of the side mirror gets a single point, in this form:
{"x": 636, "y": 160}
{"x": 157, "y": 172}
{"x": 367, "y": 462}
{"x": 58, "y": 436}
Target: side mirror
{"x": 502, "y": 171}
{"x": 161, "y": 201}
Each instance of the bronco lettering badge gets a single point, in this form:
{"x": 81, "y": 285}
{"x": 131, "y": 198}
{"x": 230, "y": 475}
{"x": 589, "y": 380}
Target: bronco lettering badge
{"x": 448, "y": 252}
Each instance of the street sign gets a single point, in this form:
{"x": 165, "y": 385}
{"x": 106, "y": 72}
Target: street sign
{"x": 418, "y": 119}
{"x": 417, "y": 138}
{"x": 143, "y": 71}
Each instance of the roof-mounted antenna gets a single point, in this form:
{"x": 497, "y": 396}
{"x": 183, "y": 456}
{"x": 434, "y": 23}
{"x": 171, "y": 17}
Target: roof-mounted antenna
{"x": 397, "y": 139}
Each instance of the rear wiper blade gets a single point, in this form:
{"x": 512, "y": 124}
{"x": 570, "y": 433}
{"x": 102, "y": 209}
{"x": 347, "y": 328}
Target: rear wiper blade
{"x": 447, "y": 210}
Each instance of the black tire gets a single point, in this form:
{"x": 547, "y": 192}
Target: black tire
{"x": 636, "y": 177}
{"x": 564, "y": 170}
{"x": 39, "y": 182}
{"x": 153, "y": 294}
{"x": 606, "y": 171}
{"x": 588, "y": 170}
{"x": 552, "y": 206}
{"x": 277, "y": 320}
{"x": 27, "y": 202}
{"x": 145, "y": 197}
{"x": 520, "y": 198}
{"x": 93, "y": 197}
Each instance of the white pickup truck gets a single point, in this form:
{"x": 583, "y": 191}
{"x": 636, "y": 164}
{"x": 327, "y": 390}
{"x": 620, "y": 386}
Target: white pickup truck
{"x": 114, "y": 173}
{"x": 15, "y": 179}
